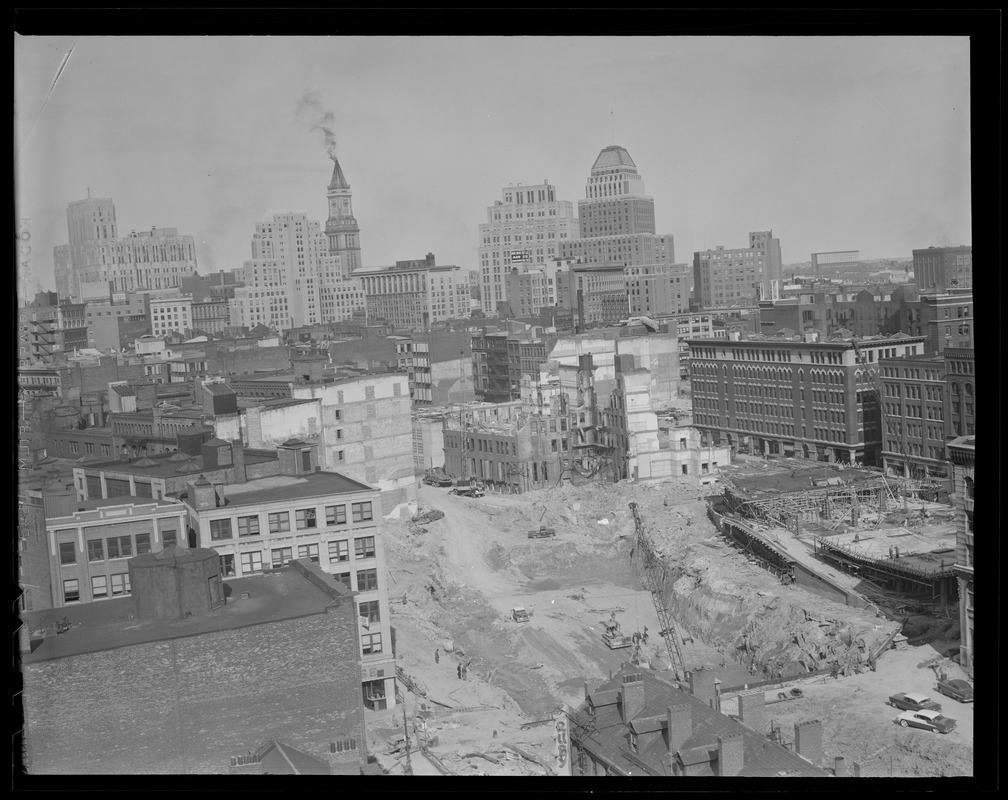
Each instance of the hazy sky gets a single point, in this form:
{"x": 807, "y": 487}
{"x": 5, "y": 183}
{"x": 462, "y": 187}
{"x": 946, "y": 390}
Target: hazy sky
{"x": 834, "y": 143}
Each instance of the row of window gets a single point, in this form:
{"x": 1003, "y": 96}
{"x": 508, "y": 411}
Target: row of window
{"x": 114, "y": 547}
{"x": 279, "y": 522}
{"x": 100, "y": 587}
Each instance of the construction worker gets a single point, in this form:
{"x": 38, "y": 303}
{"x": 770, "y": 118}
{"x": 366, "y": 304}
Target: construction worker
{"x": 437, "y": 655}
{"x": 458, "y": 671}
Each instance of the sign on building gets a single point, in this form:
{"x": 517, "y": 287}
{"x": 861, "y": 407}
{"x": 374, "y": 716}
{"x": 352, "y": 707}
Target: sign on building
{"x": 561, "y": 740}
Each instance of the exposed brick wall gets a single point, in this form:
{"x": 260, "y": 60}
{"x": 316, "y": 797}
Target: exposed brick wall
{"x": 187, "y": 705}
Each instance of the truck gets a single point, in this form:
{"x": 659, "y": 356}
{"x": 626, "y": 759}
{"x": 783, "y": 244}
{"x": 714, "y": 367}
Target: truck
{"x": 470, "y": 488}
{"x": 542, "y": 533}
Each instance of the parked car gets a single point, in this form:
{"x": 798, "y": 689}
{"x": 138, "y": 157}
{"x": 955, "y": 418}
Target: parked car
{"x": 926, "y": 720}
{"x": 520, "y": 615}
{"x": 913, "y": 701}
{"x": 957, "y": 690}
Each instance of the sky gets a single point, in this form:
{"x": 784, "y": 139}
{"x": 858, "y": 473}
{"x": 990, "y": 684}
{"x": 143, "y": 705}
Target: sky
{"x": 834, "y": 143}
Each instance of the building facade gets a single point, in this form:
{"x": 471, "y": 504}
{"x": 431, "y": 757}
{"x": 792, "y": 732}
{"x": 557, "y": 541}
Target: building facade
{"x": 491, "y": 374}
{"x": 325, "y": 517}
{"x": 659, "y": 289}
{"x": 89, "y": 549}
{"x": 962, "y": 453}
{"x": 616, "y": 219}
{"x": 960, "y": 392}
{"x": 943, "y": 268}
{"x": 947, "y": 320}
{"x": 914, "y": 430}
{"x": 723, "y": 277}
{"x": 154, "y": 259}
{"x": 414, "y": 294}
{"x": 523, "y": 230}
{"x": 789, "y": 397}
{"x": 293, "y": 279}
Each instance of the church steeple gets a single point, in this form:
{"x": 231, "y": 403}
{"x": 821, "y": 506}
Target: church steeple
{"x": 341, "y": 228}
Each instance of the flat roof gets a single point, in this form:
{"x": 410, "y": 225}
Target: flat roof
{"x": 755, "y": 481}
{"x": 122, "y": 500}
{"x": 288, "y": 487}
{"x": 164, "y": 466}
{"x": 109, "y": 624}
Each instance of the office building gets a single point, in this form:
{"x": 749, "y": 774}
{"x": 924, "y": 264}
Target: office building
{"x": 946, "y": 320}
{"x": 724, "y": 277}
{"x": 834, "y": 261}
{"x": 154, "y": 259}
{"x": 792, "y": 395}
{"x": 523, "y": 231}
{"x": 292, "y": 279}
{"x": 414, "y": 294}
{"x": 914, "y": 429}
{"x": 305, "y": 513}
{"x": 939, "y": 269}
{"x": 960, "y": 392}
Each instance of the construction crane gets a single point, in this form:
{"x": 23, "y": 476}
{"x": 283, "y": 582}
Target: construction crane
{"x": 653, "y": 578}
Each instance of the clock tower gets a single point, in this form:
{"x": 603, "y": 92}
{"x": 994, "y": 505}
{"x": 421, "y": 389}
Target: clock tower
{"x": 341, "y": 229}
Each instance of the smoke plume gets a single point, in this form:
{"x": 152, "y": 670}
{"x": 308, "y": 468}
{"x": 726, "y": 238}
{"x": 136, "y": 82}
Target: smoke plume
{"x": 310, "y": 108}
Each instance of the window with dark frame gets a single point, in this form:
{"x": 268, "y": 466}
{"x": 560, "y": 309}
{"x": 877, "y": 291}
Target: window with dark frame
{"x": 279, "y": 522}
{"x": 120, "y": 583}
{"x": 227, "y": 564}
{"x": 169, "y": 538}
{"x": 364, "y": 547}
{"x": 369, "y": 610}
{"x": 335, "y": 515}
{"x": 309, "y": 551}
{"x": 143, "y": 544}
{"x": 248, "y": 526}
{"x": 339, "y": 550}
{"x": 361, "y": 512}
{"x": 281, "y": 557}
{"x": 305, "y": 518}
{"x": 367, "y": 580}
{"x": 71, "y": 591}
{"x": 371, "y": 643}
{"x": 99, "y": 587}
{"x": 220, "y": 529}
{"x": 251, "y": 562}
{"x": 95, "y": 547}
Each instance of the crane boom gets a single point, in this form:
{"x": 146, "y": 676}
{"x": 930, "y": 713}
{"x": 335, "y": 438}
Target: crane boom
{"x": 653, "y": 582}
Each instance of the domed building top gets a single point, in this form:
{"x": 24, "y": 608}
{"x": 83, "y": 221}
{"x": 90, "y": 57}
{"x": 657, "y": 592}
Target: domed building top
{"x": 613, "y": 156}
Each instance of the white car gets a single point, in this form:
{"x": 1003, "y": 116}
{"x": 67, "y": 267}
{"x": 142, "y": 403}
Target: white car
{"x": 926, "y": 720}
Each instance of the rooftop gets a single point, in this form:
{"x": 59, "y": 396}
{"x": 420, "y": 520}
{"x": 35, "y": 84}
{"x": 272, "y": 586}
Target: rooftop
{"x": 611, "y": 735}
{"x": 109, "y": 624}
{"x": 276, "y": 488}
{"x": 168, "y": 465}
{"x": 762, "y": 479}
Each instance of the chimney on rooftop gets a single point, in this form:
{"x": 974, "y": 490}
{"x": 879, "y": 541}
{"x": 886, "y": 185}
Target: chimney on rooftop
{"x": 808, "y": 740}
{"x": 752, "y": 707}
{"x": 680, "y": 725}
{"x": 730, "y": 754}
{"x": 632, "y": 695}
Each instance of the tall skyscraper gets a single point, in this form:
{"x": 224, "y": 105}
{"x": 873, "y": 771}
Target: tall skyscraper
{"x": 616, "y": 222}
{"x": 155, "y": 259}
{"x": 292, "y": 279}
{"x": 341, "y": 229}
{"x": 523, "y": 230}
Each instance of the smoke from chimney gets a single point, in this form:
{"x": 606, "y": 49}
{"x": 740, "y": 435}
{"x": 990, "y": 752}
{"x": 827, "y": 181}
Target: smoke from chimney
{"x": 310, "y": 107}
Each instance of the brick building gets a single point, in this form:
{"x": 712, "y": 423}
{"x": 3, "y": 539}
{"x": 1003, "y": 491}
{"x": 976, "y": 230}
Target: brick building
{"x": 913, "y": 391}
{"x": 788, "y": 397}
{"x": 115, "y": 693}
{"x": 962, "y": 453}
{"x": 960, "y": 392}
{"x": 325, "y": 517}
{"x": 943, "y": 267}
{"x": 490, "y": 367}
{"x": 89, "y": 548}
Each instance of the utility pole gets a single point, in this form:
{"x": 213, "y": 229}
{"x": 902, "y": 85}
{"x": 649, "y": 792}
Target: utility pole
{"x": 408, "y": 766}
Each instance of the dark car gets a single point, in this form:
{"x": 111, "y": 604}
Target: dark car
{"x": 926, "y": 720}
{"x": 957, "y": 690}
{"x": 913, "y": 701}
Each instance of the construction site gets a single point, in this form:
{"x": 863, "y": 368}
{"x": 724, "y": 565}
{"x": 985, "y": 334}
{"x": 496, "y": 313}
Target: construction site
{"x": 777, "y": 576}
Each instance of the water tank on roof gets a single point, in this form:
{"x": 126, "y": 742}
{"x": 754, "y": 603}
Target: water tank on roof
{"x": 176, "y": 583}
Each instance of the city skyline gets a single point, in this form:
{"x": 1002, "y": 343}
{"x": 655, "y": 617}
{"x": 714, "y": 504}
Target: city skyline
{"x": 833, "y": 143}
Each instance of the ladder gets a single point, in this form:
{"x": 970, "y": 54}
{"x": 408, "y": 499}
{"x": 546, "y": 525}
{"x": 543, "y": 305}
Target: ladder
{"x": 653, "y": 582}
